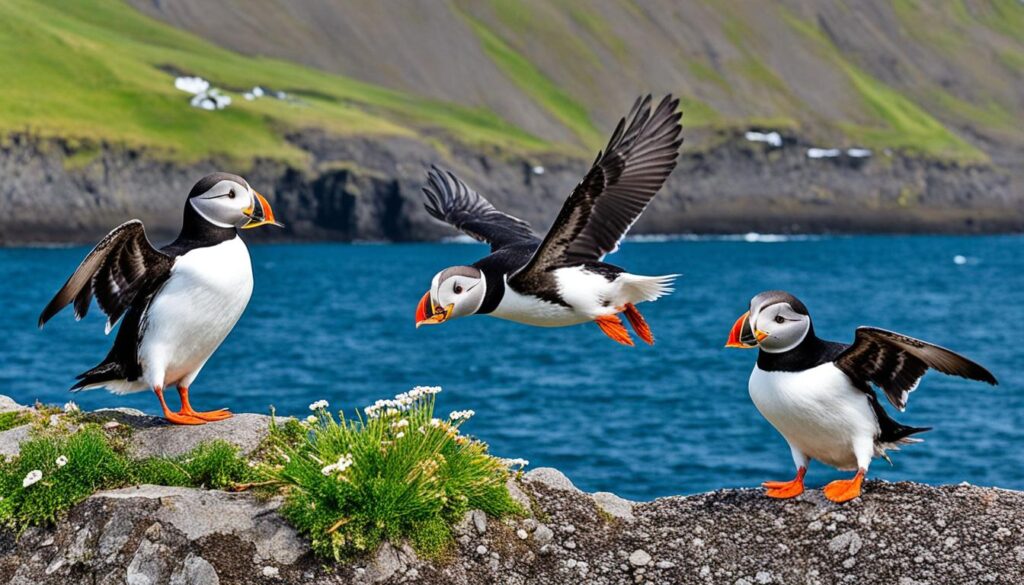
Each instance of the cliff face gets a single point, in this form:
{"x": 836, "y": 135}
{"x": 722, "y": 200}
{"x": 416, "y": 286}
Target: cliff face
{"x": 369, "y": 189}
{"x": 896, "y": 533}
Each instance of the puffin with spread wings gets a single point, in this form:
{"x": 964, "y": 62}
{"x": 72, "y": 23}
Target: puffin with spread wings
{"x": 818, "y": 394}
{"x": 562, "y": 280}
{"x": 176, "y": 304}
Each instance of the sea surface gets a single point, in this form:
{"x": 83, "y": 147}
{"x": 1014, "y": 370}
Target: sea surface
{"x": 335, "y": 321}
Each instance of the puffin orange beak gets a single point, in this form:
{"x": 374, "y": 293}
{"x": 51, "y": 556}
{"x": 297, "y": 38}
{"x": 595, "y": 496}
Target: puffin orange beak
{"x": 741, "y": 336}
{"x": 428, "y": 314}
{"x": 259, "y": 213}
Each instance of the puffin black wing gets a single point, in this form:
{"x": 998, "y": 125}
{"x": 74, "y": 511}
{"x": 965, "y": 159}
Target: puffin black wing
{"x": 452, "y": 201}
{"x": 120, "y": 267}
{"x": 895, "y": 363}
{"x": 641, "y": 154}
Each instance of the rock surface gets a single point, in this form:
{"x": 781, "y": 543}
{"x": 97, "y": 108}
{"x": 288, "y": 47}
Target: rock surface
{"x": 897, "y": 533}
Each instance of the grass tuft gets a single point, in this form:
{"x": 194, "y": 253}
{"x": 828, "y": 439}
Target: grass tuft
{"x": 13, "y": 419}
{"x": 396, "y": 474}
{"x": 56, "y": 470}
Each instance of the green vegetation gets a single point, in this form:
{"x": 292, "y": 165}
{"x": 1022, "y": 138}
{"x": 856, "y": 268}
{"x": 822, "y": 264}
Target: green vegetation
{"x": 902, "y": 123}
{"x": 399, "y": 473}
{"x": 9, "y": 420}
{"x": 96, "y": 70}
{"x": 59, "y": 468}
{"x": 535, "y": 84}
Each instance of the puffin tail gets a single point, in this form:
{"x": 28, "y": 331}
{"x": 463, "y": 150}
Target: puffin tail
{"x": 638, "y": 289}
{"x": 99, "y": 376}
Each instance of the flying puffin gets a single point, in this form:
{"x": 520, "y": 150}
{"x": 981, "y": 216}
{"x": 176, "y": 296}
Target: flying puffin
{"x": 561, "y": 280}
{"x": 818, "y": 394}
{"x": 176, "y": 304}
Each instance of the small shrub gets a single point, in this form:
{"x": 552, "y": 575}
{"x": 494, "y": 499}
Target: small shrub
{"x": 399, "y": 473}
{"x": 12, "y": 419}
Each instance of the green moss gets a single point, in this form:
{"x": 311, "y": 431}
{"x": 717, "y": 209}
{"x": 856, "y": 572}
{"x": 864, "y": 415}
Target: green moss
{"x": 705, "y": 72}
{"x": 1013, "y": 60}
{"x": 697, "y": 113}
{"x": 598, "y": 28}
{"x": 535, "y": 84}
{"x": 12, "y": 419}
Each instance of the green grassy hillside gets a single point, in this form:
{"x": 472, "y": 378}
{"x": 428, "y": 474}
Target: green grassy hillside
{"x": 939, "y": 79}
{"x": 95, "y": 70}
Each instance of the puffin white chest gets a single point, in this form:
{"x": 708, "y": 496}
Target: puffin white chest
{"x": 818, "y": 411}
{"x": 194, "y": 311}
{"x": 535, "y": 311}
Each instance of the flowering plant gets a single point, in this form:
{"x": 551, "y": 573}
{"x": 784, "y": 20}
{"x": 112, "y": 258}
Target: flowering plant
{"x": 394, "y": 473}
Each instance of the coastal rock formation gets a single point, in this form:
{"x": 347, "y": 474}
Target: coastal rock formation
{"x": 897, "y": 533}
{"x": 361, "y": 189}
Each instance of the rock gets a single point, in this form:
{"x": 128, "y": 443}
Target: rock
{"x": 11, "y": 440}
{"x": 518, "y": 495}
{"x": 543, "y": 534}
{"x": 198, "y": 571}
{"x": 7, "y": 404}
{"x": 479, "y": 520}
{"x": 550, "y": 477}
{"x": 522, "y": 534}
{"x": 639, "y": 558}
{"x": 614, "y": 506}
{"x": 155, "y": 437}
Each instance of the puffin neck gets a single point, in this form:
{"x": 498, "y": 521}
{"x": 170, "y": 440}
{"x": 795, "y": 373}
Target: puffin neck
{"x": 804, "y": 356}
{"x": 197, "y": 232}
{"x": 495, "y": 283}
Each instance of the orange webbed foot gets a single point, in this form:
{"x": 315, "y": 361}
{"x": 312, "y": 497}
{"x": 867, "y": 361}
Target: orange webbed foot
{"x": 612, "y": 326}
{"x": 844, "y": 490}
{"x": 209, "y": 415}
{"x": 786, "y": 489}
{"x": 639, "y": 323}
{"x": 182, "y": 419}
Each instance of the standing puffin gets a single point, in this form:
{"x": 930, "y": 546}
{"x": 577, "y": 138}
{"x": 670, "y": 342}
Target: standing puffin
{"x": 178, "y": 303}
{"x": 818, "y": 394}
{"x": 561, "y": 280}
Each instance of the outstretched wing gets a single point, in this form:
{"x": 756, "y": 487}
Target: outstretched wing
{"x": 121, "y": 266}
{"x": 895, "y": 363}
{"x": 452, "y": 201}
{"x": 622, "y": 181}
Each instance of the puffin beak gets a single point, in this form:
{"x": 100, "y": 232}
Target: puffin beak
{"x": 741, "y": 336}
{"x": 428, "y": 314}
{"x": 259, "y": 213}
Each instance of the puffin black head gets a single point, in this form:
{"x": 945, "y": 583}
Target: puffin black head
{"x": 776, "y": 322}
{"x": 455, "y": 292}
{"x": 227, "y": 201}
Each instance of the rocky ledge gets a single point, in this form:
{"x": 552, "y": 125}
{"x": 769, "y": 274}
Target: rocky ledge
{"x": 897, "y": 533}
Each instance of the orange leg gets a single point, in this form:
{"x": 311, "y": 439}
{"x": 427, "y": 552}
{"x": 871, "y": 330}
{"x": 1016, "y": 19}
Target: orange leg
{"x": 186, "y": 409}
{"x": 844, "y": 490}
{"x": 173, "y": 417}
{"x": 612, "y": 326}
{"x": 786, "y": 489}
{"x": 639, "y": 323}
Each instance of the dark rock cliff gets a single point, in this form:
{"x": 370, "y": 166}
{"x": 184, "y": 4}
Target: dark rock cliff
{"x": 369, "y": 189}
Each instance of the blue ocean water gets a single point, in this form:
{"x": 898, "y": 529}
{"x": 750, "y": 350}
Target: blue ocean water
{"x": 336, "y": 322}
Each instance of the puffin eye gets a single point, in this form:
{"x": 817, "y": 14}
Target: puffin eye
{"x": 231, "y": 194}
{"x": 780, "y": 319}
{"x": 457, "y": 289}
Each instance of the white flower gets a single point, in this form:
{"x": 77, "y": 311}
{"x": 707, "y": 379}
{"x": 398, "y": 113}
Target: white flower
{"x": 70, "y": 406}
{"x": 318, "y": 405}
{"x": 344, "y": 462}
{"x": 62, "y": 461}
{"x": 311, "y": 419}
{"x": 461, "y": 414}
{"x": 32, "y": 477}
{"x": 400, "y": 435}
{"x": 517, "y": 462}
{"x": 400, "y": 424}
{"x": 435, "y": 422}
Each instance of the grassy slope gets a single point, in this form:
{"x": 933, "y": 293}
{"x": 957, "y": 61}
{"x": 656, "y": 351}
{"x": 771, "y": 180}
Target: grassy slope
{"x": 89, "y": 70}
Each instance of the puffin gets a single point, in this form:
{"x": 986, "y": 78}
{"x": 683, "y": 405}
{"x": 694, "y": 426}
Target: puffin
{"x": 562, "y": 279}
{"x": 819, "y": 394}
{"x": 175, "y": 304}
